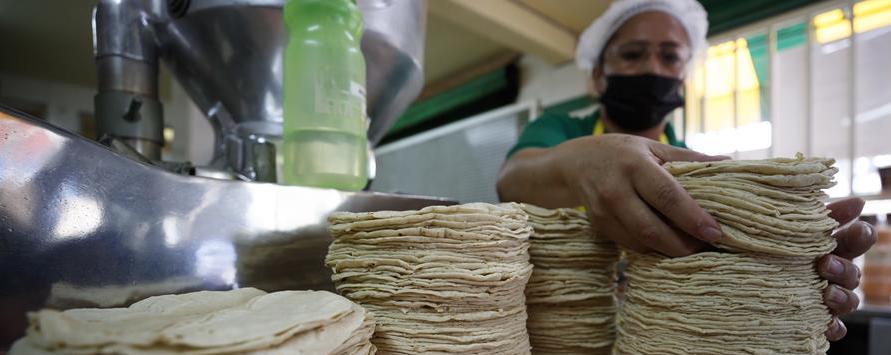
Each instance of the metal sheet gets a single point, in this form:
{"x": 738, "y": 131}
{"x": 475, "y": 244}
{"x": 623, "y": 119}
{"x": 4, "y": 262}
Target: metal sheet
{"x": 81, "y": 225}
{"x": 460, "y": 160}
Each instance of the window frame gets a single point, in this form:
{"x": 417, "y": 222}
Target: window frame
{"x": 772, "y": 26}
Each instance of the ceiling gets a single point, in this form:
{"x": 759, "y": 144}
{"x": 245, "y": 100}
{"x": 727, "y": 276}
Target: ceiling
{"x": 51, "y": 39}
{"x": 574, "y": 14}
{"x": 451, "y": 48}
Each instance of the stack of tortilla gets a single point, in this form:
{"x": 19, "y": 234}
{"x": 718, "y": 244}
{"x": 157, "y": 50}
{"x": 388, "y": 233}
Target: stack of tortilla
{"x": 243, "y": 321}
{"x": 759, "y": 293}
{"x": 443, "y": 279}
{"x": 570, "y": 294}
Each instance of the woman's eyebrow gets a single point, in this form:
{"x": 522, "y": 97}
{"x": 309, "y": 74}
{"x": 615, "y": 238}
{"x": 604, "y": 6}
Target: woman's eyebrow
{"x": 672, "y": 44}
{"x": 645, "y": 43}
{"x": 634, "y": 43}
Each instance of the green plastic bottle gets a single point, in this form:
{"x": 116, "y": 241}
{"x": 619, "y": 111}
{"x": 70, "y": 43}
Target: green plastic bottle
{"x": 324, "y": 142}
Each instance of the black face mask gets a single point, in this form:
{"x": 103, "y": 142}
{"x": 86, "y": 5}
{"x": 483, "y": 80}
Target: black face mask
{"x": 639, "y": 102}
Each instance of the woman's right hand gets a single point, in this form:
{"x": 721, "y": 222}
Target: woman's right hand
{"x": 630, "y": 198}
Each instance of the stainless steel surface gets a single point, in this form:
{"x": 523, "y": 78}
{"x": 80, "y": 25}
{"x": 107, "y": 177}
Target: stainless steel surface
{"x": 121, "y": 28}
{"x": 393, "y": 45}
{"x": 460, "y": 160}
{"x": 127, "y": 68}
{"x": 230, "y": 56}
{"x": 227, "y": 54}
{"x": 131, "y": 118}
{"x": 128, "y": 75}
{"x": 81, "y": 225}
{"x": 148, "y": 149}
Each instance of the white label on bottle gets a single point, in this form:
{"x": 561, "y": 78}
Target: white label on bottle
{"x": 333, "y": 100}
{"x": 329, "y": 101}
{"x": 357, "y": 90}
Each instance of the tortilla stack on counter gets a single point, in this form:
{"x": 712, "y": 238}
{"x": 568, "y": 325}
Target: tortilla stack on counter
{"x": 440, "y": 280}
{"x": 570, "y": 296}
{"x": 242, "y": 321}
{"x": 759, "y": 292}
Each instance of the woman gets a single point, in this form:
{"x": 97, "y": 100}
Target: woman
{"x": 638, "y": 53}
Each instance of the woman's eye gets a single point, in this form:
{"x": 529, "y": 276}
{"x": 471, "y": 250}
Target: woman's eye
{"x": 631, "y": 55}
{"x": 671, "y": 58}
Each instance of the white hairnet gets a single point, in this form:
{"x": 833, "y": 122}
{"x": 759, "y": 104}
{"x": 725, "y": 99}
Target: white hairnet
{"x": 688, "y": 12}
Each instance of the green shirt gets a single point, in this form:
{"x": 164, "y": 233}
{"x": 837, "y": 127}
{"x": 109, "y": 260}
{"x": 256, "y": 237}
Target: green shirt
{"x": 552, "y": 129}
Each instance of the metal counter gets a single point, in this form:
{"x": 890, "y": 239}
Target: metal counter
{"x": 83, "y": 226}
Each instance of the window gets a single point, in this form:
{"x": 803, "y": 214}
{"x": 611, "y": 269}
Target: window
{"x": 726, "y": 97}
{"x": 775, "y": 89}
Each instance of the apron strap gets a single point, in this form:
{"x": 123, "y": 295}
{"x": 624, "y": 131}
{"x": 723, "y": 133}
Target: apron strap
{"x": 599, "y": 128}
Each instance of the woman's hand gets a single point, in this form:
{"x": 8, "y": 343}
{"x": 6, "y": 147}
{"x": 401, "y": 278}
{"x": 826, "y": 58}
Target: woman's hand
{"x": 630, "y": 198}
{"x": 853, "y": 239}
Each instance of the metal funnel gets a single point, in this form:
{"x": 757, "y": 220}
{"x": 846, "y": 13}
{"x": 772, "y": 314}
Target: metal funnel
{"x": 227, "y": 54}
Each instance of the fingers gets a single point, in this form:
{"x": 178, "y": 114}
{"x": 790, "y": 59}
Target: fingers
{"x": 667, "y": 153}
{"x": 854, "y": 240}
{"x": 612, "y": 229}
{"x": 840, "y": 300}
{"x": 846, "y": 210}
{"x": 651, "y": 231}
{"x": 839, "y": 271}
{"x": 660, "y": 190}
{"x": 837, "y": 330}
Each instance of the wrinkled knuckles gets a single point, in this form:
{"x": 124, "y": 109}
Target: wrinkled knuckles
{"x": 667, "y": 196}
{"x": 608, "y": 196}
{"x": 854, "y": 303}
{"x": 650, "y": 235}
{"x": 837, "y": 330}
{"x": 840, "y": 300}
{"x": 848, "y": 276}
{"x": 854, "y": 278}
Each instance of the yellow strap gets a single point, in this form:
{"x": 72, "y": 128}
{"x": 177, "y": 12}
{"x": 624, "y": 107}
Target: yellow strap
{"x": 600, "y": 129}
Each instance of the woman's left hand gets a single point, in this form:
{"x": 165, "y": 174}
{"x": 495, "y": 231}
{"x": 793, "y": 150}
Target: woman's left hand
{"x": 853, "y": 240}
